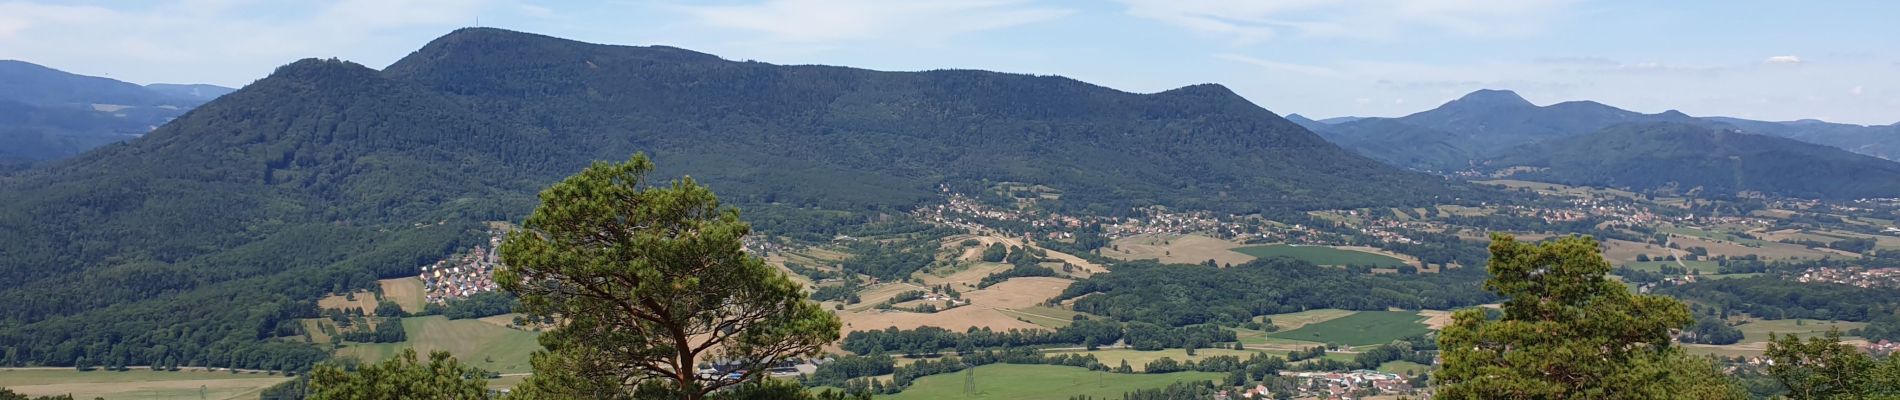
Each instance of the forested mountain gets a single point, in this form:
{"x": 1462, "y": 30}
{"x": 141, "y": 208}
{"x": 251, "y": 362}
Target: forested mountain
{"x": 1483, "y": 124}
{"x": 1877, "y": 140}
{"x": 50, "y": 114}
{"x": 1691, "y": 158}
{"x": 1475, "y": 127}
{"x": 206, "y": 237}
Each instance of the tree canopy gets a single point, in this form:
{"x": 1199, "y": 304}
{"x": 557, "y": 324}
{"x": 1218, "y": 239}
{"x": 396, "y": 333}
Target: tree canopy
{"x": 1567, "y": 331}
{"x": 651, "y": 282}
{"x": 402, "y": 377}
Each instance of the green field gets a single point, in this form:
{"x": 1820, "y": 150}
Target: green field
{"x": 1044, "y": 316}
{"x": 1404, "y": 367}
{"x": 137, "y": 384}
{"x": 476, "y": 343}
{"x": 1722, "y": 236}
{"x": 1139, "y": 358}
{"x": 1704, "y": 267}
{"x": 1362, "y": 328}
{"x": 1321, "y": 255}
{"x": 1758, "y": 330}
{"x": 1013, "y": 381}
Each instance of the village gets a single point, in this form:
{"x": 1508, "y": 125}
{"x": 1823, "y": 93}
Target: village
{"x": 1334, "y": 386}
{"x": 1853, "y": 276}
{"x": 462, "y": 275}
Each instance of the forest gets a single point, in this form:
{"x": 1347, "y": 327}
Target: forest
{"x": 1181, "y": 295}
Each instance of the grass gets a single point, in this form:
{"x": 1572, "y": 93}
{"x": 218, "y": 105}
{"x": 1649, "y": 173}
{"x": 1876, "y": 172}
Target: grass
{"x": 137, "y": 384}
{"x": 1362, "y": 328}
{"x": 1291, "y": 321}
{"x": 1012, "y": 381}
{"x": 1706, "y": 267}
{"x": 1404, "y": 367}
{"x": 1722, "y": 236}
{"x": 1321, "y": 255}
{"x": 1044, "y": 316}
{"x": 1758, "y": 330}
{"x": 1139, "y": 358}
{"x": 474, "y": 342}
{"x": 405, "y": 292}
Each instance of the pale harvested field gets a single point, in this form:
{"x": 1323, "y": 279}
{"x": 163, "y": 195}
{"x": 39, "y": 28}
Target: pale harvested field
{"x": 136, "y": 384}
{"x": 1086, "y": 268}
{"x": 1435, "y": 319}
{"x": 406, "y": 292}
{"x": 1019, "y": 292}
{"x": 986, "y": 308}
{"x": 1776, "y": 251}
{"x": 1182, "y": 249}
{"x": 1388, "y": 253}
{"x": 957, "y": 320}
{"x": 1291, "y": 321}
{"x": 966, "y": 278}
{"x": 869, "y": 297}
{"x": 364, "y": 300}
{"x": 1623, "y": 251}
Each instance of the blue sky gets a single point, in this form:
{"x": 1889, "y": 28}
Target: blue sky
{"x": 1777, "y": 60}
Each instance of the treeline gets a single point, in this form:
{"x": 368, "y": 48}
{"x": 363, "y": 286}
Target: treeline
{"x": 1770, "y": 297}
{"x": 218, "y": 311}
{"x": 474, "y": 306}
{"x": 933, "y": 340}
{"x": 1180, "y": 295}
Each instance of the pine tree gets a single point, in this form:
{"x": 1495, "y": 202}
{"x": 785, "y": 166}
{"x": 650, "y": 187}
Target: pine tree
{"x": 1569, "y": 332}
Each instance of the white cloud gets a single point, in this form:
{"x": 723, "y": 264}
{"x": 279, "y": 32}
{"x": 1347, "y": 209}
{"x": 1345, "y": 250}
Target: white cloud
{"x": 228, "y": 42}
{"x": 833, "y": 21}
{"x": 1254, "y": 21}
{"x": 1856, "y": 90}
{"x": 1782, "y": 60}
{"x": 1279, "y": 66}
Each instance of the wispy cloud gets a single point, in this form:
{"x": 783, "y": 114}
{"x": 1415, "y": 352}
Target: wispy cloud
{"x": 1782, "y": 60}
{"x": 835, "y": 21}
{"x": 1255, "y": 21}
{"x": 205, "y": 37}
{"x": 1279, "y": 66}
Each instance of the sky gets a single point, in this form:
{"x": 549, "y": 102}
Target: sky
{"x": 1775, "y": 60}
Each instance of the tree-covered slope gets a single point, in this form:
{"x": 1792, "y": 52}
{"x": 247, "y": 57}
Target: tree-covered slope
{"x": 1685, "y": 158}
{"x": 1478, "y": 126}
{"x": 888, "y": 138}
{"x": 212, "y": 232}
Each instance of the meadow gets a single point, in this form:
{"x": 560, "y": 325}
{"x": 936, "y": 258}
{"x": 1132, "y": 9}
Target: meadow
{"x": 1321, "y": 255}
{"x": 1013, "y": 381}
{"x": 481, "y": 344}
{"x": 1361, "y": 328}
{"x": 136, "y": 383}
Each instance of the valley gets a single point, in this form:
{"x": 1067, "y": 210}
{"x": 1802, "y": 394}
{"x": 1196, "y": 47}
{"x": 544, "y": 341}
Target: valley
{"x": 968, "y": 234}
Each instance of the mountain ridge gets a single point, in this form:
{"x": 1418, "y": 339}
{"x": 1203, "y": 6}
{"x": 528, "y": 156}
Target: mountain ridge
{"x": 327, "y": 175}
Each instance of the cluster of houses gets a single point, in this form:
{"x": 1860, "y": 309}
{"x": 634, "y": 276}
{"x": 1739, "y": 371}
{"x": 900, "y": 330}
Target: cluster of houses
{"x": 462, "y": 275}
{"x": 1853, "y": 276}
{"x": 1349, "y": 385}
{"x": 1883, "y": 347}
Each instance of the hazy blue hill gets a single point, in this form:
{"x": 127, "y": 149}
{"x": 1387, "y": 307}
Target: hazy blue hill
{"x": 1400, "y": 144}
{"x": 230, "y": 220}
{"x": 49, "y": 114}
{"x": 197, "y": 92}
{"x": 1684, "y": 157}
{"x": 1875, "y": 140}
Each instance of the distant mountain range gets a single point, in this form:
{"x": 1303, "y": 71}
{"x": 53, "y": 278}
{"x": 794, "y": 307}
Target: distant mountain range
{"x": 328, "y": 174}
{"x": 1489, "y": 129}
{"x": 1697, "y": 159}
{"x": 1476, "y": 127}
{"x": 50, "y": 114}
